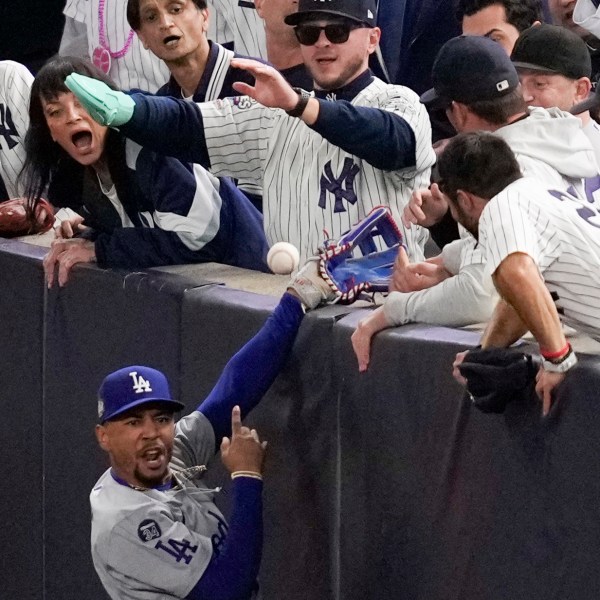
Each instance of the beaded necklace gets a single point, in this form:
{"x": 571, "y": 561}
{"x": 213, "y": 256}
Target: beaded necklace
{"x": 103, "y": 55}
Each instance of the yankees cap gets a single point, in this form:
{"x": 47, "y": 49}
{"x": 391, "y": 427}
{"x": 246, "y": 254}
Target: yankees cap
{"x": 363, "y": 11}
{"x": 132, "y": 386}
{"x": 468, "y": 69}
{"x": 552, "y": 49}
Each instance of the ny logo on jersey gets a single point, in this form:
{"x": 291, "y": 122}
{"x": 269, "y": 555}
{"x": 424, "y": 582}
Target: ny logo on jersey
{"x": 7, "y": 127}
{"x": 140, "y": 385}
{"x": 341, "y": 187}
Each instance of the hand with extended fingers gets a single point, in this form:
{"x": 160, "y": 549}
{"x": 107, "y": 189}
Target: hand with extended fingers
{"x": 243, "y": 451}
{"x": 64, "y": 255}
{"x": 426, "y": 207}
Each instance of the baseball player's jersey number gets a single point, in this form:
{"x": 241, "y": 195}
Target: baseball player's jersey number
{"x": 587, "y": 214}
{"x": 179, "y": 550}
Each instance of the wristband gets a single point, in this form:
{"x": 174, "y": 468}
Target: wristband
{"x": 558, "y": 354}
{"x": 251, "y": 474}
{"x": 566, "y": 363}
{"x": 303, "y": 98}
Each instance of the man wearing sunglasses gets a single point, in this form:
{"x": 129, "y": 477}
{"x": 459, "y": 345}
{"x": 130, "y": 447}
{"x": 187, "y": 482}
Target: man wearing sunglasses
{"x": 326, "y": 159}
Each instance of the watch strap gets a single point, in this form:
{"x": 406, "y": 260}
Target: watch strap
{"x": 303, "y": 98}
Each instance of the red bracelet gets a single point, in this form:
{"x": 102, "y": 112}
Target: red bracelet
{"x": 558, "y": 354}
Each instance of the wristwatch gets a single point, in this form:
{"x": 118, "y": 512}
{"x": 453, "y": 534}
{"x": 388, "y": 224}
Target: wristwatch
{"x": 563, "y": 365}
{"x": 303, "y": 98}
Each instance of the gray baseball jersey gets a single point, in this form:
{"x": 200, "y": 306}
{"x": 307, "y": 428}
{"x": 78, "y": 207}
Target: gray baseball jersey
{"x": 237, "y": 22}
{"x": 563, "y": 238}
{"x": 309, "y": 184}
{"x": 153, "y": 544}
{"x": 137, "y": 68}
{"x": 15, "y": 89}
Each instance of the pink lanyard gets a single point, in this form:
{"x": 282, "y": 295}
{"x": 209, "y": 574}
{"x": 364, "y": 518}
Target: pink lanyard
{"x": 102, "y": 35}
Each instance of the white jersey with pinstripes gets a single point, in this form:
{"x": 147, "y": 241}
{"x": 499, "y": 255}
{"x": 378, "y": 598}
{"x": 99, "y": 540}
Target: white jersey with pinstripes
{"x": 15, "y": 89}
{"x": 237, "y": 22}
{"x": 563, "y": 238}
{"x": 138, "y": 68}
{"x": 310, "y": 185}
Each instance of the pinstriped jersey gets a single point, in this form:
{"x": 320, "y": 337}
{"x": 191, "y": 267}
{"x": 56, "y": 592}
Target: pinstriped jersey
{"x": 237, "y": 22}
{"x": 138, "y": 68}
{"x": 560, "y": 234}
{"x": 309, "y": 184}
{"x": 15, "y": 89}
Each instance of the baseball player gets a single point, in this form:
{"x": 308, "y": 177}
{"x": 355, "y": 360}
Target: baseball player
{"x": 237, "y": 24}
{"x": 156, "y": 531}
{"x": 15, "y": 88}
{"x": 98, "y": 30}
{"x": 325, "y": 159}
{"x": 536, "y": 243}
{"x": 144, "y": 209}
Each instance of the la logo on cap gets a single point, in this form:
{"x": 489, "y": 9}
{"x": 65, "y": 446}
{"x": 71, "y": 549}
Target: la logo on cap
{"x": 140, "y": 385}
{"x": 502, "y": 85}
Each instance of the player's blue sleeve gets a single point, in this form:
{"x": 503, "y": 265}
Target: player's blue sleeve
{"x": 231, "y": 574}
{"x": 251, "y": 371}
{"x": 380, "y": 137}
{"x": 169, "y": 126}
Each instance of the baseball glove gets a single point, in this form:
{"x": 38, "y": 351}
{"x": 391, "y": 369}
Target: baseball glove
{"x": 349, "y": 273}
{"x": 17, "y": 219}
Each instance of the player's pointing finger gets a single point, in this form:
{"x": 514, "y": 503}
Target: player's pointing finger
{"x": 236, "y": 420}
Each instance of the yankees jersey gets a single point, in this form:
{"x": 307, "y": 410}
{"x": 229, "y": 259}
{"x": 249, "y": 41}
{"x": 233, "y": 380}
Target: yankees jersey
{"x": 236, "y": 22}
{"x": 310, "y": 184}
{"x": 15, "y": 89}
{"x": 136, "y": 67}
{"x": 156, "y": 544}
{"x": 560, "y": 234}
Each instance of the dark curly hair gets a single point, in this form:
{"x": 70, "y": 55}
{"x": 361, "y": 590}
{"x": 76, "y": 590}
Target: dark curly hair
{"x": 522, "y": 14}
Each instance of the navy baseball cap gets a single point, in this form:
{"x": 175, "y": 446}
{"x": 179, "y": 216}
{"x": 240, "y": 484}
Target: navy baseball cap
{"x": 363, "y": 11}
{"x": 132, "y": 386}
{"x": 468, "y": 69}
{"x": 552, "y": 49}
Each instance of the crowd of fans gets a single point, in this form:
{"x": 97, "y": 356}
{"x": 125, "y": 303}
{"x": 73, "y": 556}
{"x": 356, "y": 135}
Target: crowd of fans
{"x": 244, "y": 125}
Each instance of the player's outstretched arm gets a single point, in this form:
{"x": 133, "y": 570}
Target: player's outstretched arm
{"x": 232, "y": 572}
{"x": 251, "y": 371}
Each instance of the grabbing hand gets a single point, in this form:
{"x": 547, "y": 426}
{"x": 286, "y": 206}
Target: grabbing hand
{"x": 456, "y": 371}
{"x": 66, "y": 254}
{"x": 407, "y": 277}
{"x": 426, "y": 207}
{"x": 270, "y": 88}
{"x": 68, "y": 228}
{"x": 545, "y": 382}
{"x": 244, "y": 451}
{"x": 363, "y": 334}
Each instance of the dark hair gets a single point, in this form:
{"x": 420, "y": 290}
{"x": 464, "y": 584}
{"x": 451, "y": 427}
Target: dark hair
{"x": 478, "y": 162}
{"x": 43, "y": 154}
{"x": 499, "y": 110}
{"x": 133, "y": 12}
{"x": 519, "y": 13}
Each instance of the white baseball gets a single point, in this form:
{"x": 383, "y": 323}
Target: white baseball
{"x": 283, "y": 258}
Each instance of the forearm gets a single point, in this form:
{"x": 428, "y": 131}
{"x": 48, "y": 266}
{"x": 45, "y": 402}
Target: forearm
{"x": 520, "y": 285}
{"x": 250, "y": 373}
{"x": 168, "y": 126}
{"x": 382, "y": 138}
{"x": 232, "y": 572}
{"x": 457, "y": 301}
{"x": 505, "y": 327}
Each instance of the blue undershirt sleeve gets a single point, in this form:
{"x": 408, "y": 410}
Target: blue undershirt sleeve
{"x": 382, "y": 138}
{"x": 231, "y": 574}
{"x": 168, "y": 126}
{"x": 251, "y": 371}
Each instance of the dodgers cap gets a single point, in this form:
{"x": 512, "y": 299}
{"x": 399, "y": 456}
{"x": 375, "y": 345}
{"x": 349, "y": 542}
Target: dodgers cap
{"x": 363, "y": 11}
{"x": 132, "y": 386}
{"x": 552, "y": 49}
{"x": 469, "y": 69}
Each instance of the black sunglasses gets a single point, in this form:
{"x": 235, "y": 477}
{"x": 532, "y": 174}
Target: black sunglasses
{"x": 336, "y": 33}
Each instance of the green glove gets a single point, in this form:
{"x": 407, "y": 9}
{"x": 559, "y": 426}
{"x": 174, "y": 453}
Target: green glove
{"x": 106, "y": 106}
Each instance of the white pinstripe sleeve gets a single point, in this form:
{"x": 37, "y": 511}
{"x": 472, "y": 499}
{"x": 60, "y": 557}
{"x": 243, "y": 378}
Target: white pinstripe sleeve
{"x": 505, "y": 228}
{"x": 15, "y": 89}
{"x": 237, "y": 133}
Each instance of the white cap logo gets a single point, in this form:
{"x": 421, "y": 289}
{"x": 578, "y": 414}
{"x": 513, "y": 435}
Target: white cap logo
{"x": 369, "y": 14}
{"x": 100, "y": 408}
{"x": 140, "y": 385}
{"x": 502, "y": 85}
